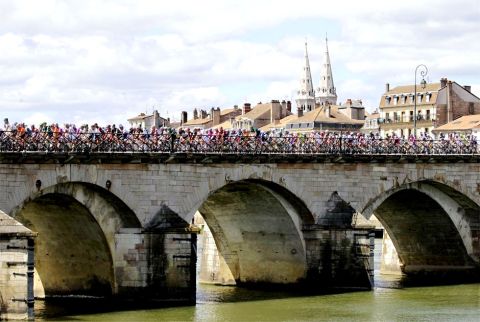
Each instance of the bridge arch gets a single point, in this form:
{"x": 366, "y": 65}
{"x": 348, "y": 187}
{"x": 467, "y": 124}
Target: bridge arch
{"x": 76, "y": 224}
{"x": 257, "y": 228}
{"x": 431, "y": 224}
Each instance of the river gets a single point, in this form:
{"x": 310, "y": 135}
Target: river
{"x": 388, "y": 301}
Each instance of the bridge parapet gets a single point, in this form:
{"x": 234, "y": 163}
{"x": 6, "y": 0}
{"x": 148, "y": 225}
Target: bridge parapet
{"x": 226, "y": 157}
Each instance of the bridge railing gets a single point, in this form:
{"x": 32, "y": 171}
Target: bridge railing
{"x": 227, "y": 144}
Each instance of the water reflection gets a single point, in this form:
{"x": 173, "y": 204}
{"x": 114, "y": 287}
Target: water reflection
{"x": 389, "y": 301}
{"x": 441, "y": 303}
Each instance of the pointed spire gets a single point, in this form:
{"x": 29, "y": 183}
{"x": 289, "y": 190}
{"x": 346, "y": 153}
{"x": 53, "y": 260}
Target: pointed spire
{"x": 306, "y": 94}
{"x": 326, "y": 92}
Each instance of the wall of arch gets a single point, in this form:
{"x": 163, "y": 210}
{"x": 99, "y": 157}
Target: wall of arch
{"x": 257, "y": 227}
{"x": 75, "y": 248}
{"x": 431, "y": 226}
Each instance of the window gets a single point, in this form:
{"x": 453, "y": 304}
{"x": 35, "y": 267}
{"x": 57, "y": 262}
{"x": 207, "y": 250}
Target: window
{"x": 427, "y": 97}
{"x": 387, "y": 117}
{"x": 419, "y": 116}
{"x": 428, "y": 114}
{"x": 404, "y": 99}
{"x": 420, "y": 97}
{"x": 411, "y": 116}
{"x": 403, "y": 117}
{"x": 395, "y": 100}
{"x": 387, "y": 99}
{"x": 412, "y": 98}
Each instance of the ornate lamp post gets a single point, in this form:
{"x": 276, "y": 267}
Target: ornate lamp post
{"x": 423, "y": 84}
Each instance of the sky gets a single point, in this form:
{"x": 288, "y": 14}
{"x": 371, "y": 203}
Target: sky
{"x": 106, "y": 61}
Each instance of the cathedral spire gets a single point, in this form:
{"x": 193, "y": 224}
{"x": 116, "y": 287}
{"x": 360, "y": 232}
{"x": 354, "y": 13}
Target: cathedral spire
{"x": 326, "y": 92}
{"x": 306, "y": 94}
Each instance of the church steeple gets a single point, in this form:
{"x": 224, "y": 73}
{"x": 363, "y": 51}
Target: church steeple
{"x": 326, "y": 92}
{"x": 306, "y": 94}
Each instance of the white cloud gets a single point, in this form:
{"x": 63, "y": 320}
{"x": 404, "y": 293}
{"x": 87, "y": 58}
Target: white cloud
{"x": 110, "y": 60}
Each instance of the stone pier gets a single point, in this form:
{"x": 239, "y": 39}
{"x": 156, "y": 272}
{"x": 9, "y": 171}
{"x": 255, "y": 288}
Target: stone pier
{"x": 16, "y": 270}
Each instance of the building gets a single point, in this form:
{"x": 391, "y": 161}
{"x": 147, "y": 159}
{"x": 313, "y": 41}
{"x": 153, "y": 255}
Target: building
{"x": 278, "y": 126}
{"x": 436, "y": 104}
{"x": 148, "y": 121}
{"x": 326, "y": 93}
{"x": 204, "y": 120}
{"x": 353, "y": 109}
{"x": 469, "y": 124}
{"x": 318, "y": 109}
{"x": 261, "y": 115}
{"x": 305, "y": 94}
{"x": 326, "y": 117}
{"x": 372, "y": 123}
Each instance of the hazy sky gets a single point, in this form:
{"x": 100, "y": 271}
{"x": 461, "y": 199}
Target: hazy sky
{"x": 106, "y": 61}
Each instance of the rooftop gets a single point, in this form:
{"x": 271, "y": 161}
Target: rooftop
{"x": 430, "y": 87}
{"x": 318, "y": 115}
{"x": 463, "y": 123}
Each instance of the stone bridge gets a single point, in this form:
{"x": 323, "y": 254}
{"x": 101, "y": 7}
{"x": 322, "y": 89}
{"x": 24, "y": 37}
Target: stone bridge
{"x": 119, "y": 224}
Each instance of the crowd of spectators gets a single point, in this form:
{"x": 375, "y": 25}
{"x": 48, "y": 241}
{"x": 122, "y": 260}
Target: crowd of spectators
{"x": 93, "y": 138}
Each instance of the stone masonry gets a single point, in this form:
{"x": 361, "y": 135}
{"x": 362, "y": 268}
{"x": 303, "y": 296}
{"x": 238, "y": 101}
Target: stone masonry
{"x": 16, "y": 270}
{"x": 144, "y": 209}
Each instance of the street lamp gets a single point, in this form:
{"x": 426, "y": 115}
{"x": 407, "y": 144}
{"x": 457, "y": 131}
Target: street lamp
{"x": 423, "y": 84}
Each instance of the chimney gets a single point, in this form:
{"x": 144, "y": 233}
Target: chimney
{"x": 468, "y": 88}
{"x": 195, "y": 114}
{"x": 299, "y": 111}
{"x": 216, "y": 116}
{"x": 289, "y": 106}
{"x": 443, "y": 82}
{"x": 450, "y": 116}
{"x": 156, "y": 119}
{"x": 183, "y": 118}
{"x": 275, "y": 111}
{"x": 349, "y": 102}
{"x": 327, "y": 111}
{"x": 387, "y": 87}
{"x": 247, "y": 107}
{"x": 203, "y": 114}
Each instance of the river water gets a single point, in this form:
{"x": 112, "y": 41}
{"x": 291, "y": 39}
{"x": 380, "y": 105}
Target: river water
{"x": 388, "y": 301}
